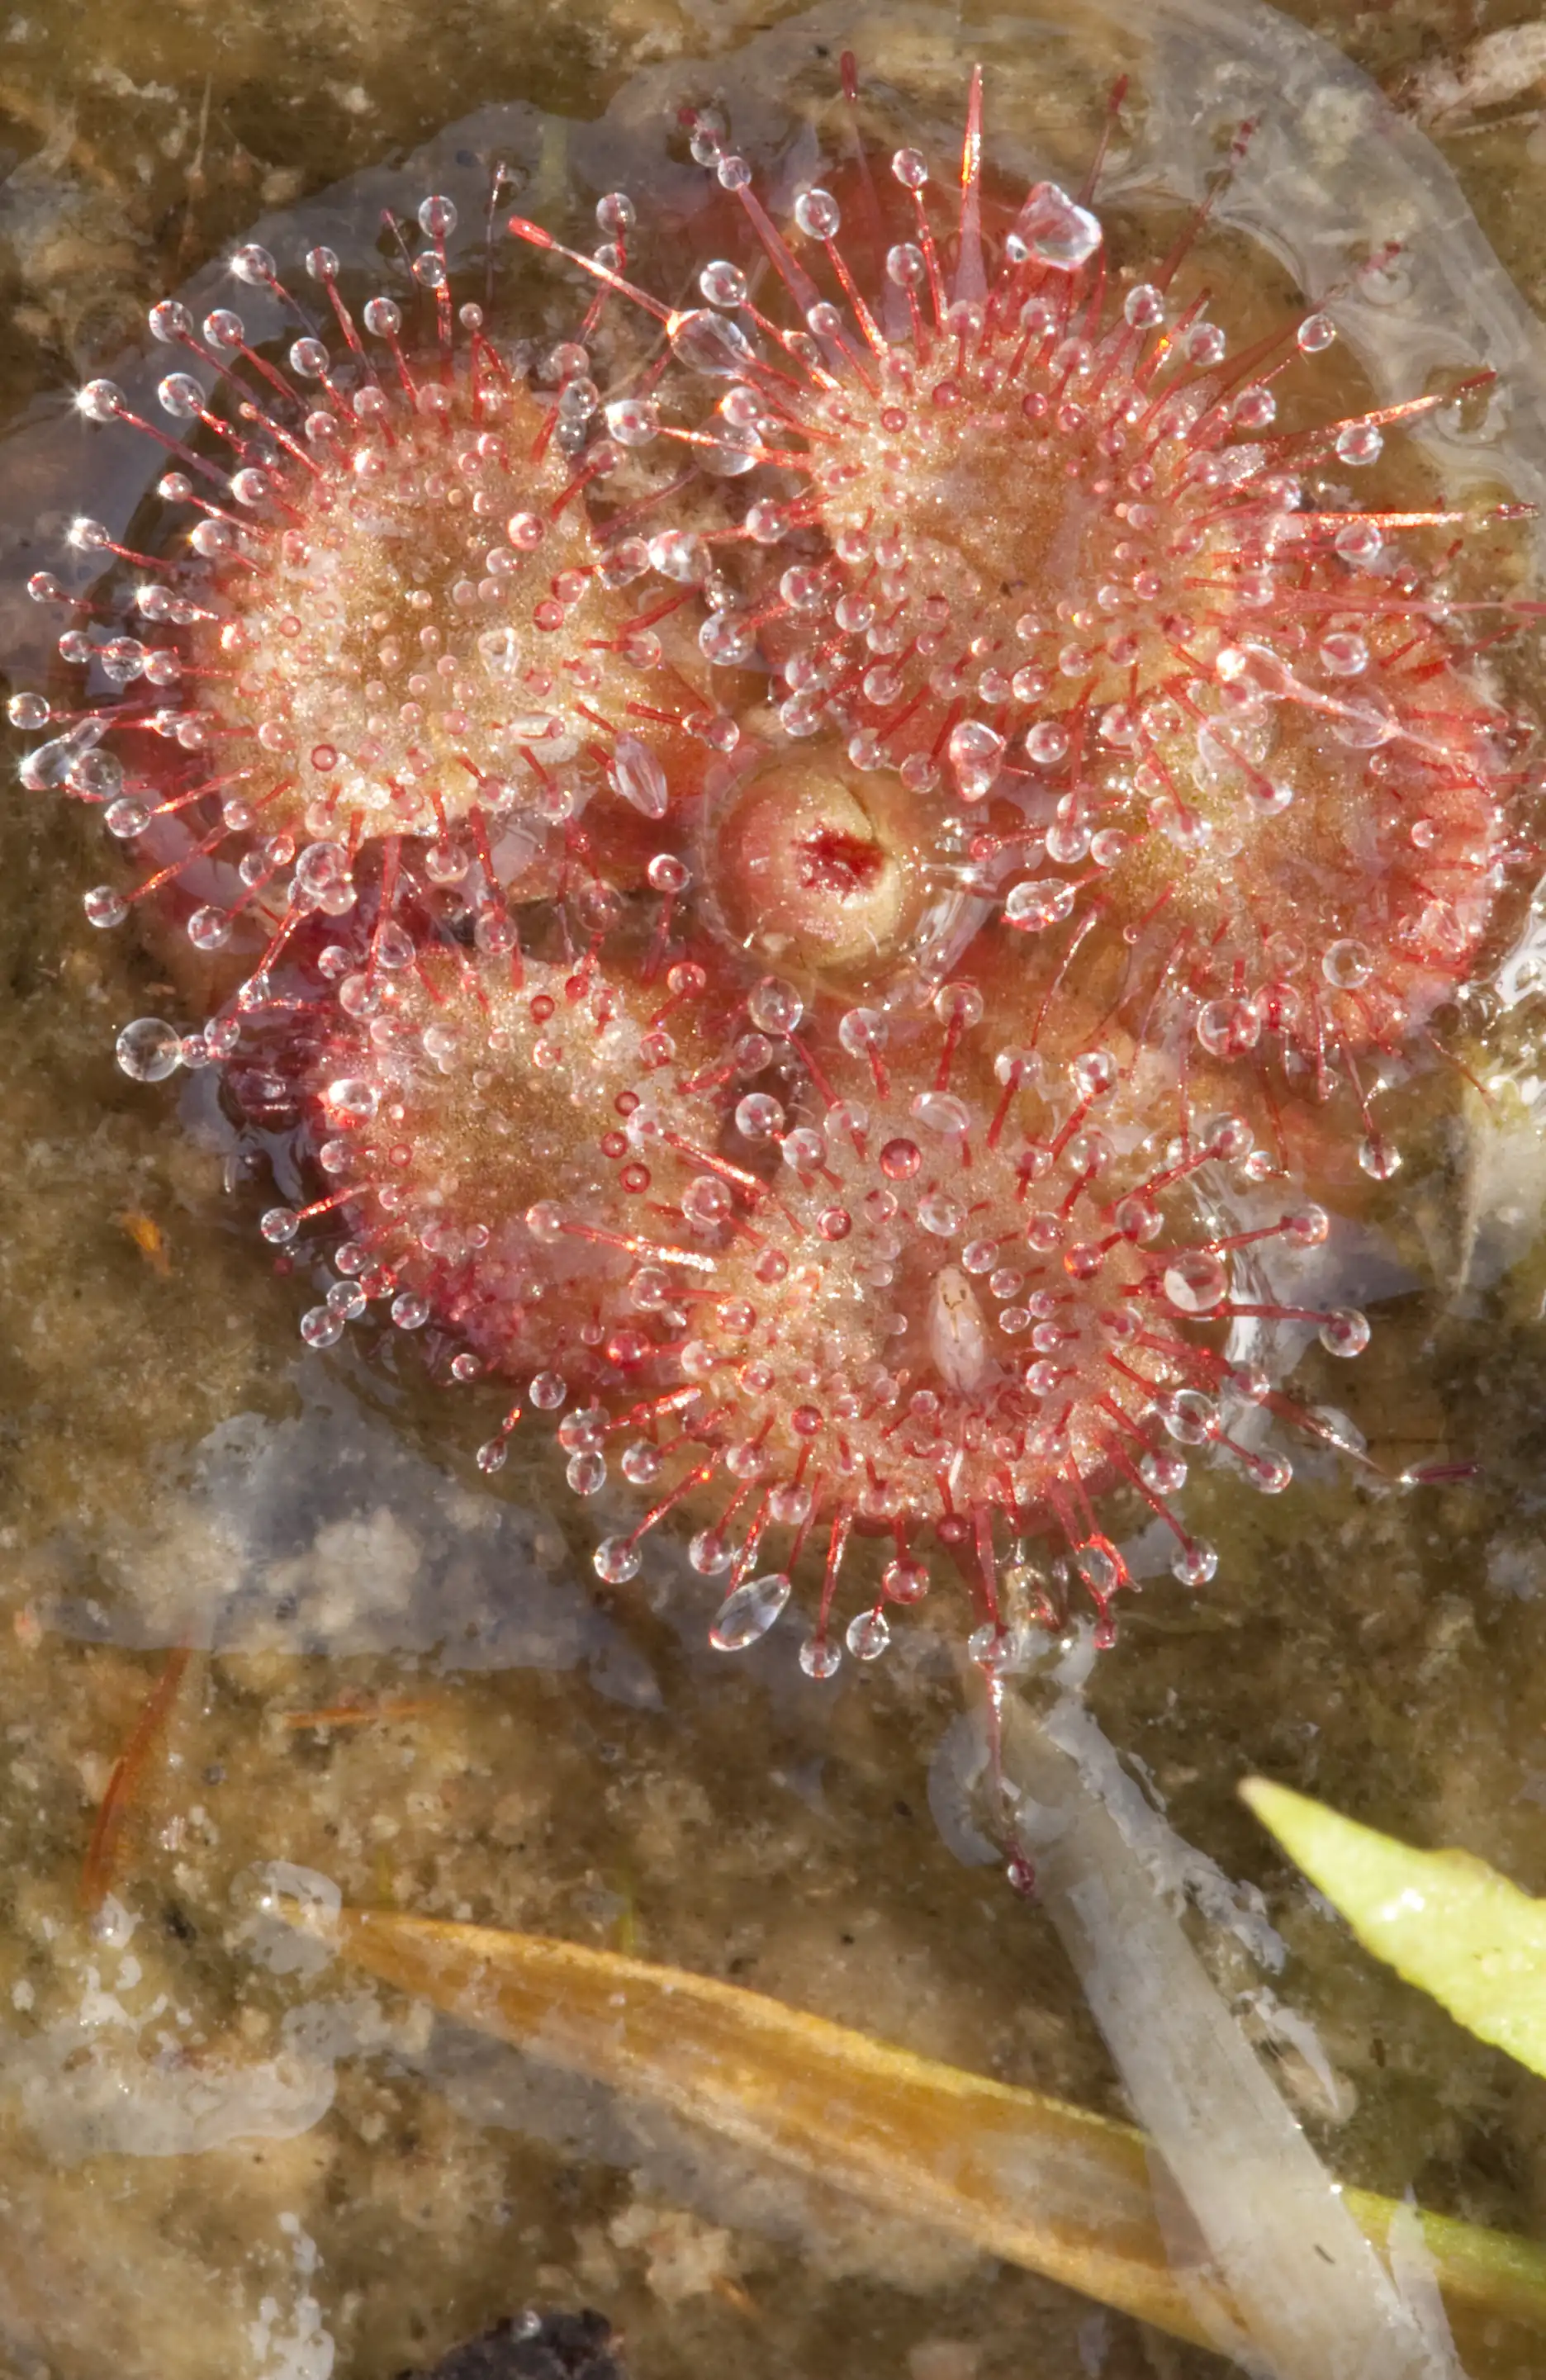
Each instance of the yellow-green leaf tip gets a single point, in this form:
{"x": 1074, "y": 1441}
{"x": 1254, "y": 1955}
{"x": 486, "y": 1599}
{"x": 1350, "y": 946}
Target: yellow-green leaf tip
{"x": 1445, "y": 1921}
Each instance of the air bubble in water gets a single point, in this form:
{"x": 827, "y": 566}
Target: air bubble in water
{"x": 149, "y": 1050}
{"x": 1055, "y": 228}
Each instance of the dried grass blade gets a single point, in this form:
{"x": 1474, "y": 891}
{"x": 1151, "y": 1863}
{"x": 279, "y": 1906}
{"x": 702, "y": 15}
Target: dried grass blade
{"x": 1026, "y": 2177}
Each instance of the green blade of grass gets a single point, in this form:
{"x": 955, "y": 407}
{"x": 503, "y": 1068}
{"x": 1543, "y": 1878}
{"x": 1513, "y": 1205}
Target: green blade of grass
{"x": 1443, "y": 1920}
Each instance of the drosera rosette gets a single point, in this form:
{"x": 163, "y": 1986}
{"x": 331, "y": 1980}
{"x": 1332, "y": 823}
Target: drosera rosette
{"x": 467, "y": 1120}
{"x": 952, "y": 1303}
{"x": 1286, "y": 940}
{"x": 1196, "y": 854}
{"x": 397, "y": 628}
{"x": 1026, "y": 526}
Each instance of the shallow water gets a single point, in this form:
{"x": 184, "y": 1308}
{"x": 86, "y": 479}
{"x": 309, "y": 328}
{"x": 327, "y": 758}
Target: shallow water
{"x": 190, "y": 2123}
